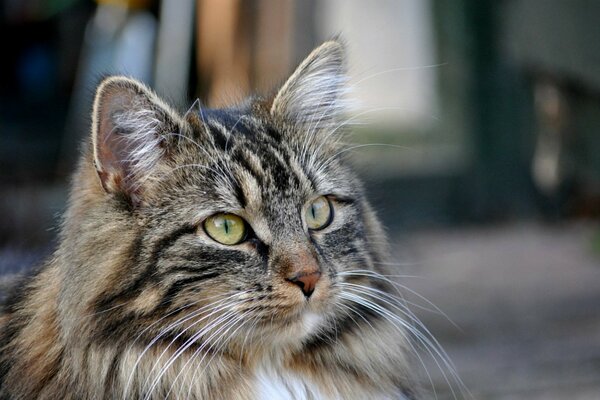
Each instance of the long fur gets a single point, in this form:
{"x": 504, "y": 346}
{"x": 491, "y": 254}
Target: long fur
{"x": 138, "y": 302}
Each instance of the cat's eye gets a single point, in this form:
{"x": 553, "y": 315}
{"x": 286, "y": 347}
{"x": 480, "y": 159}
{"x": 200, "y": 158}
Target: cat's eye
{"x": 319, "y": 213}
{"x": 227, "y": 229}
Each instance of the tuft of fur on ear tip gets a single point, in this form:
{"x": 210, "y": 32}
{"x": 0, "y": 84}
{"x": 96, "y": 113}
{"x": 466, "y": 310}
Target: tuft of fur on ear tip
{"x": 130, "y": 126}
{"x": 314, "y": 92}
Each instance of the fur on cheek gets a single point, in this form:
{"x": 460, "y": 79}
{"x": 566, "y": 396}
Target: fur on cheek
{"x": 140, "y": 302}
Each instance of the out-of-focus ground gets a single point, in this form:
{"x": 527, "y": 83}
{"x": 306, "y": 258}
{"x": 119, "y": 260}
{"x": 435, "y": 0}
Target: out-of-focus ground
{"x": 527, "y": 300}
{"x": 467, "y": 112}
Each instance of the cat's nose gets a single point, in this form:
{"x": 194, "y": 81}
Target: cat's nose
{"x": 306, "y": 281}
{"x": 299, "y": 265}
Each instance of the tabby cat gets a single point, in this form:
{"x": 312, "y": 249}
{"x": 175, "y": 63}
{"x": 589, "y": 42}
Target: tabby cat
{"x": 218, "y": 254}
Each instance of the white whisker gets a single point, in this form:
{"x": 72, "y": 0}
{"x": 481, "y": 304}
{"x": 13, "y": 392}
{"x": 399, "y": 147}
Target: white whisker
{"x": 221, "y": 305}
{"x": 371, "y": 306}
{"x": 221, "y": 319}
{"x": 399, "y": 286}
{"x": 425, "y": 337}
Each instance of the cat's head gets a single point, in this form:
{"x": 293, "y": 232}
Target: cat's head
{"x": 244, "y": 221}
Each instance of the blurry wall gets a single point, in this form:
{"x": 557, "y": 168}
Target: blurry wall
{"x": 467, "y": 111}
{"x": 392, "y": 56}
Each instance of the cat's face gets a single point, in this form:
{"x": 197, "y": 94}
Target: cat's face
{"x": 246, "y": 220}
{"x": 261, "y": 223}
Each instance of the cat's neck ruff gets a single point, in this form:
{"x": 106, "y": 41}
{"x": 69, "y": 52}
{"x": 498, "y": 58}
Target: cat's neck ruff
{"x": 274, "y": 382}
{"x": 219, "y": 254}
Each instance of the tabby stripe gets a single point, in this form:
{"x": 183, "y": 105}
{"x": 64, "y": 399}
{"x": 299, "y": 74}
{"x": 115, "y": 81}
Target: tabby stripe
{"x": 219, "y": 137}
{"x": 263, "y": 251}
{"x": 231, "y": 119}
{"x": 184, "y": 269}
{"x": 239, "y": 158}
{"x": 226, "y": 118}
{"x": 349, "y": 251}
{"x": 113, "y": 371}
{"x": 282, "y": 178}
{"x": 280, "y": 163}
{"x": 119, "y": 328}
{"x": 182, "y": 284}
{"x": 264, "y": 137}
{"x": 239, "y": 194}
{"x": 135, "y": 287}
{"x": 273, "y": 133}
{"x": 244, "y": 129}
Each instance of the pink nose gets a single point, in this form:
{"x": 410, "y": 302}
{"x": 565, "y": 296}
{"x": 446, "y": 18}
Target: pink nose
{"x": 306, "y": 282}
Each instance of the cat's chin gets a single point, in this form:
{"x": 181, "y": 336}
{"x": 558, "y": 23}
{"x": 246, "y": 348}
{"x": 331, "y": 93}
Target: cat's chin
{"x": 305, "y": 322}
{"x": 311, "y": 323}
{"x": 296, "y": 332}
{"x": 312, "y": 316}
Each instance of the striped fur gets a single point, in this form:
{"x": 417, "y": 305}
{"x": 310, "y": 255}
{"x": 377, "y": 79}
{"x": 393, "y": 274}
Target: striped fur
{"x": 139, "y": 303}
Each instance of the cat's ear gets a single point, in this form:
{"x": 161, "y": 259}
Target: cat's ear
{"x": 131, "y": 127}
{"x": 314, "y": 92}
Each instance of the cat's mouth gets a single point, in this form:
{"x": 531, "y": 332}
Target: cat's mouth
{"x": 292, "y": 331}
{"x": 307, "y": 317}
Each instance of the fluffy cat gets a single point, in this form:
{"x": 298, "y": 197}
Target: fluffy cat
{"x": 220, "y": 254}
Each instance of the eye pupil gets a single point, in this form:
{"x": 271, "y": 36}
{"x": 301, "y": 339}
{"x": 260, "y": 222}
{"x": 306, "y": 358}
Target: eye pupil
{"x": 227, "y": 229}
{"x": 319, "y": 213}
{"x": 226, "y": 225}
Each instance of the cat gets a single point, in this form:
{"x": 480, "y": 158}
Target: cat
{"x": 216, "y": 254}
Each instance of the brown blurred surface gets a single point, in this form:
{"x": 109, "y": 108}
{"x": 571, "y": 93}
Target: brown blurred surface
{"x": 526, "y": 295}
{"x": 527, "y": 300}
{"x": 242, "y": 47}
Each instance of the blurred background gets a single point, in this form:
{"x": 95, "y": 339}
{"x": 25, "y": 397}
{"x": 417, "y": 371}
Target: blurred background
{"x": 480, "y": 121}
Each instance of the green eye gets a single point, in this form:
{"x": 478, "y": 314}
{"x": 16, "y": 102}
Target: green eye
{"x": 225, "y": 228}
{"x": 319, "y": 213}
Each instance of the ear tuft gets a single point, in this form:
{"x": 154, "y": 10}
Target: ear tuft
{"x": 130, "y": 128}
{"x": 314, "y": 92}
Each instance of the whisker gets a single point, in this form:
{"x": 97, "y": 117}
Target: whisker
{"x": 365, "y": 303}
{"x": 178, "y": 322}
{"x": 183, "y": 348}
{"x": 213, "y": 311}
{"x": 226, "y": 326}
{"x": 348, "y": 121}
{"x": 329, "y": 160}
{"x": 255, "y": 321}
{"x": 382, "y": 296}
{"x": 348, "y": 88}
{"x": 426, "y": 338}
{"x": 398, "y": 286}
{"x": 400, "y": 69}
{"x": 196, "y": 103}
{"x": 232, "y": 130}
{"x": 241, "y": 318}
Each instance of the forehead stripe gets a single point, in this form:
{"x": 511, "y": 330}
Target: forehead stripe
{"x": 250, "y": 165}
{"x": 219, "y": 134}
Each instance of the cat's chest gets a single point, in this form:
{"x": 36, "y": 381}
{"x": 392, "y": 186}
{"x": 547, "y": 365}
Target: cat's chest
{"x": 277, "y": 383}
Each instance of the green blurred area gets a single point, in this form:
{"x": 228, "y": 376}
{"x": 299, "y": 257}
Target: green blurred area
{"x": 504, "y": 65}
{"x": 491, "y": 205}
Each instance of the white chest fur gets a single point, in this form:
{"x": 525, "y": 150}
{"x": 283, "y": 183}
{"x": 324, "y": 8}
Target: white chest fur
{"x": 277, "y": 384}
{"x": 281, "y": 385}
